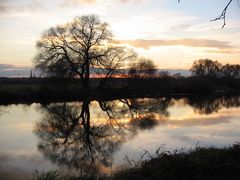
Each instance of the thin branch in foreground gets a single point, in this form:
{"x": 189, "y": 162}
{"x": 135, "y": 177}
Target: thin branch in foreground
{"x": 223, "y": 15}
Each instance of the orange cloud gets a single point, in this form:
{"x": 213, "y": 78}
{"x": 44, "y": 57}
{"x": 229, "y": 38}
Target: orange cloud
{"x": 223, "y": 51}
{"x": 77, "y": 2}
{"x": 131, "y": 1}
{"x": 146, "y": 44}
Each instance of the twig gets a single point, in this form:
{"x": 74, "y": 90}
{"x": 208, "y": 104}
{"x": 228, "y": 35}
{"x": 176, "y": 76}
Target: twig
{"x": 223, "y": 14}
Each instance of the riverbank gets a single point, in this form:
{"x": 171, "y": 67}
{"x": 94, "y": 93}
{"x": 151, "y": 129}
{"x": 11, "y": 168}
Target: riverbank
{"x": 207, "y": 163}
{"x": 200, "y": 163}
{"x": 27, "y": 90}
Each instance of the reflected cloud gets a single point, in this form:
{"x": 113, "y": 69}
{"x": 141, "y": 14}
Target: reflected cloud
{"x": 14, "y": 173}
{"x": 70, "y": 137}
{"x": 85, "y": 137}
{"x": 74, "y": 136}
{"x": 23, "y": 126}
{"x": 198, "y": 121}
{"x": 147, "y": 122}
{"x": 15, "y": 165}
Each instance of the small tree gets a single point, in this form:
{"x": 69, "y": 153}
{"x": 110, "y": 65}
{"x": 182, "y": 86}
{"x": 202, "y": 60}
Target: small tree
{"x": 144, "y": 68}
{"x": 164, "y": 74}
{"x": 231, "y": 71}
{"x": 206, "y": 68}
{"x": 77, "y": 48}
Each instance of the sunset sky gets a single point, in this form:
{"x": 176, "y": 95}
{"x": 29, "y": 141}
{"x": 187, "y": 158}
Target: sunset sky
{"x": 172, "y": 34}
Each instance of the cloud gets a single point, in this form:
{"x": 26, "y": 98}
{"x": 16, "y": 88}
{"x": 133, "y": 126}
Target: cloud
{"x": 132, "y": 1}
{"x": 11, "y": 164}
{"x": 5, "y": 66}
{"x": 33, "y": 6}
{"x": 91, "y": 2}
{"x": 199, "y": 121}
{"x": 181, "y": 27}
{"x": 7, "y": 70}
{"x": 78, "y": 2}
{"x": 223, "y": 51}
{"x": 146, "y": 44}
{"x": 3, "y": 6}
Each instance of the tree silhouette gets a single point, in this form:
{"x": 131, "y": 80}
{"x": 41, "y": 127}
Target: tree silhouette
{"x": 209, "y": 105}
{"x": 76, "y": 48}
{"x": 70, "y": 137}
{"x": 206, "y": 68}
{"x": 231, "y": 71}
{"x": 144, "y": 68}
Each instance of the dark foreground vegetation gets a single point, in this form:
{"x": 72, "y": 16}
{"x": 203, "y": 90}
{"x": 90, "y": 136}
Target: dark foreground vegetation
{"x": 199, "y": 163}
{"x": 41, "y": 89}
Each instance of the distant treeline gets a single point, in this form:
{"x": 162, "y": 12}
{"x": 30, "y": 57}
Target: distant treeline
{"x": 203, "y": 68}
{"x": 142, "y": 81}
{"x": 214, "y": 69}
{"x": 145, "y": 68}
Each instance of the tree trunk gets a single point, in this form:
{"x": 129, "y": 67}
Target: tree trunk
{"x": 86, "y": 75}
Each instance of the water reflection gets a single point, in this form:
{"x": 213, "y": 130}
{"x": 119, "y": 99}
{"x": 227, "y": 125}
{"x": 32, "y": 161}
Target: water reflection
{"x": 208, "y": 105}
{"x": 71, "y": 138}
{"x": 85, "y": 140}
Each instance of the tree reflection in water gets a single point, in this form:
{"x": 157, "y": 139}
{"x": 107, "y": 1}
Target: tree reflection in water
{"x": 85, "y": 140}
{"x": 208, "y": 105}
{"x": 69, "y": 137}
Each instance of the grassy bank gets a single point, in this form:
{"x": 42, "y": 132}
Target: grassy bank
{"x": 200, "y": 163}
{"x": 40, "y": 89}
{"x": 208, "y": 163}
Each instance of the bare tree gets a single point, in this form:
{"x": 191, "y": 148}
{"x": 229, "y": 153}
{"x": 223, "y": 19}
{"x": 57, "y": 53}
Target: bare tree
{"x": 114, "y": 64}
{"x": 142, "y": 69}
{"x": 231, "y": 71}
{"x": 74, "y": 49}
{"x": 206, "y": 68}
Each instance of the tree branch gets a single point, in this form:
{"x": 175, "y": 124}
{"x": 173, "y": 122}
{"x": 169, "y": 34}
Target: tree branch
{"x": 223, "y": 15}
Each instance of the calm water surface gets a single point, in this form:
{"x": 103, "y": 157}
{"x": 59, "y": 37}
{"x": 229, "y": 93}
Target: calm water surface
{"x": 100, "y": 136}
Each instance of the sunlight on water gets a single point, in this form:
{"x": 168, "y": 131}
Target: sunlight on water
{"x": 100, "y": 135}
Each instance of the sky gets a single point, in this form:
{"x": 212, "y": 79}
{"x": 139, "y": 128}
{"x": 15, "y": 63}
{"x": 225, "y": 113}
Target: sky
{"x": 172, "y": 34}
